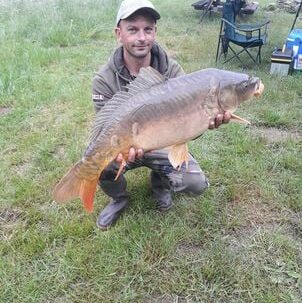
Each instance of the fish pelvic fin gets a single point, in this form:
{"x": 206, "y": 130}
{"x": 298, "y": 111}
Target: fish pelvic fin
{"x": 237, "y": 119}
{"x": 178, "y": 155}
{"x": 72, "y": 186}
{"x": 121, "y": 168}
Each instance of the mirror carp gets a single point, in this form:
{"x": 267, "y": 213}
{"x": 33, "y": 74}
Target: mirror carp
{"x": 155, "y": 113}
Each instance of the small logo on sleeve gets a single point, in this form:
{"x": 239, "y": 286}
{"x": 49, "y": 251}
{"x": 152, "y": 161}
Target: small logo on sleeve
{"x": 97, "y": 97}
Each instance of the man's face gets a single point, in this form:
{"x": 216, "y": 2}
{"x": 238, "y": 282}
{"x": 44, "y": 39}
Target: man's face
{"x": 137, "y": 35}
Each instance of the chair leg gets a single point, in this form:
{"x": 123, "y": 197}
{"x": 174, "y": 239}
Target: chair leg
{"x": 206, "y": 10}
{"x": 254, "y": 60}
{"x": 219, "y": 42}
{"x": 203, "y": 15}
{"x": 235, "y": 55}
{"x": 259, "y": 54}
{"x": 225, "y": 47}
{"x": 218, "y": 47}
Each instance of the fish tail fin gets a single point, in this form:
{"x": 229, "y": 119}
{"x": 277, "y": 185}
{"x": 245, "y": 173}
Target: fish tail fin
{"x": 72, "y": 186}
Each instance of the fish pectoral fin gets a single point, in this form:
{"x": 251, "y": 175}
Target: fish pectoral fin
{"x": 120, "y": 170}
{"x": 178, "y": 155}
{"x": 237, "y": 119}
{"x": 71, "y": 187}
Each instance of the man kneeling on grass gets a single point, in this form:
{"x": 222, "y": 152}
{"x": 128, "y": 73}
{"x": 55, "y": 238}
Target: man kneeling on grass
{"x": 135, "y": 30}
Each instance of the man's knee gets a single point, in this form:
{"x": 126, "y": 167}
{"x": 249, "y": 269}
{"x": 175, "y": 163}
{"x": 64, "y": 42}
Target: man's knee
{"x": 109, "y": 173}
{"x": 196, "y": 184}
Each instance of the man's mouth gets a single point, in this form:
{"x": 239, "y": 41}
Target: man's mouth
{"x": 140, "y": 46}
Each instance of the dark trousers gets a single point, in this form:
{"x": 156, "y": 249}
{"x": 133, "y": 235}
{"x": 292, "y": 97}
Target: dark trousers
{"x": 163, "y": 176}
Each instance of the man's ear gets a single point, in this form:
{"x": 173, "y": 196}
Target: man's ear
{"x": 117, "y": 32}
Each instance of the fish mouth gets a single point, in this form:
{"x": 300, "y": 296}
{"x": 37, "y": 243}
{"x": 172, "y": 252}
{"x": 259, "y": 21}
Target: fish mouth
{"x": 260, "y": 88}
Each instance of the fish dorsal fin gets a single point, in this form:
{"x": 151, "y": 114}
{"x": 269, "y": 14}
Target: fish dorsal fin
{"x": 106, "y": 113}
{"x": 146, "y": 78}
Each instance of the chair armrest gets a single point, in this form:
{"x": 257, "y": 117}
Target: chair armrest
{"x": 251, "y": 27}
{"x": 246, "y": 27}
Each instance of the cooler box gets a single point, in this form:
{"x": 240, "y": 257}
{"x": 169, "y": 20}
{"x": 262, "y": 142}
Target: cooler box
{"x": 294, "y": 42}
{"x": 281, "y": 62}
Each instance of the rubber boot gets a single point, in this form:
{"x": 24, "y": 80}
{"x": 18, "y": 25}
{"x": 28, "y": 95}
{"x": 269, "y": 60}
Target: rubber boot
{"x": 112, "y": 212}
{"x": 119, "y": 199}
{"x": 161, "y": 192}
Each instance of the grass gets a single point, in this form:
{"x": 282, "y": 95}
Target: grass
{"x": 239, "y": 242}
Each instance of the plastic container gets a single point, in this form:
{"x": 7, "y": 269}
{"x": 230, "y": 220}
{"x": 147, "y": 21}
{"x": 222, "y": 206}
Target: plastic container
{"x": 281, "y": 62}
{"x": 294, "y": 42}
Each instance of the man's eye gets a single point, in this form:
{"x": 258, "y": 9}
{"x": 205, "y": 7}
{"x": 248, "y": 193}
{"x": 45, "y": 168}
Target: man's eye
{"x": 149, "y": 30}
{"x": 131, "y": 30}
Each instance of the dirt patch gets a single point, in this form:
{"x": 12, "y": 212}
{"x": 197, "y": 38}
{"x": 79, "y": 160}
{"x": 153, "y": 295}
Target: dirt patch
{"x": 4, "y": 110}
{"x": 259, "y": 218}
{"x": 295, "y": 226}
{"x": 273, "y": 135}
{"x": 10, "y": 219}
{"x": 60, "y": 152}
{"x": 258, "y": 213}
{"x": 23, "y": 169}
{"x": 9, "y": 216}
{"x": 188, "y": 249}
{"x": 249, "y": 218}
{"x": 166, "y": 298}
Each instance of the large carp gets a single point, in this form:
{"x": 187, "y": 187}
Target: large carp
{"x": 155, "y": 113}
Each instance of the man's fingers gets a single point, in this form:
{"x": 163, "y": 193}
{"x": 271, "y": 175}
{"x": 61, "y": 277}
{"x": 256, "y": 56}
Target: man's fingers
{"x": 211, "y": 125}
{"x": 119, "y": 158}
{"x": 140, "y": 153}
{"x": 131, "y": 155}
{"x": 218, "y": 120}
{"x": 227, "y": 117}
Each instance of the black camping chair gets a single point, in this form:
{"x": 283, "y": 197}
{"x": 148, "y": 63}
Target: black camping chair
{"x": 244, "y": 36}
{"x": 207, "y": 6}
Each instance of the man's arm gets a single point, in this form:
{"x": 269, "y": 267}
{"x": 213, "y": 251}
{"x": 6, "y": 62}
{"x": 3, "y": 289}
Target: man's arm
{"x": 101, "y": 92}
{"x": 175, "y": 69}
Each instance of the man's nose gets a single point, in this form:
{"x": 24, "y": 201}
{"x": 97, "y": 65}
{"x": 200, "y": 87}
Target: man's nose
{"x": 141, "y": 35}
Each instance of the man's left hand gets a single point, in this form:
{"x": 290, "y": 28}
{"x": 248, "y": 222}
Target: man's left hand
{"x": 219, "y": 119}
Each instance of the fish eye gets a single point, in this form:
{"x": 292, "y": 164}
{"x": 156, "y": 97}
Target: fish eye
{"x": 244, "y": 84}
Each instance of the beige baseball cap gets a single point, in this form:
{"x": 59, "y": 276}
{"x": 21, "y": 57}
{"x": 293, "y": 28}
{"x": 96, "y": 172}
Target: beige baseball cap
{"x": 128, "y": 7}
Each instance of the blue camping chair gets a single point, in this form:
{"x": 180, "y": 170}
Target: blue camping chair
{"x": 244, "y": 36}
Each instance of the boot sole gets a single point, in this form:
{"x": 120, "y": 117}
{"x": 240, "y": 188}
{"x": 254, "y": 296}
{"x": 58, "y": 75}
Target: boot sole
{"x": 164, "y": 209}
{"x": 103, "y": 227}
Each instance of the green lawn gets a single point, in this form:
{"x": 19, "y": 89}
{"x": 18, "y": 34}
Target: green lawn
{"x": 239, "y": 242}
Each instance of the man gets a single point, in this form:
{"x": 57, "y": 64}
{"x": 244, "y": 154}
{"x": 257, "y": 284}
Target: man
{"x": 136, "y": 26}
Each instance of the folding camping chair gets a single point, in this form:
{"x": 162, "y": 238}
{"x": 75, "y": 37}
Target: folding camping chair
{"x": 244, "y": 36}
{"x": 207, "y": 6}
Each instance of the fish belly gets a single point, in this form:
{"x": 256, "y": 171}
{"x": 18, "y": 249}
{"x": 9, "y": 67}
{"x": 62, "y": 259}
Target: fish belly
{"x": 171, "y": 128}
